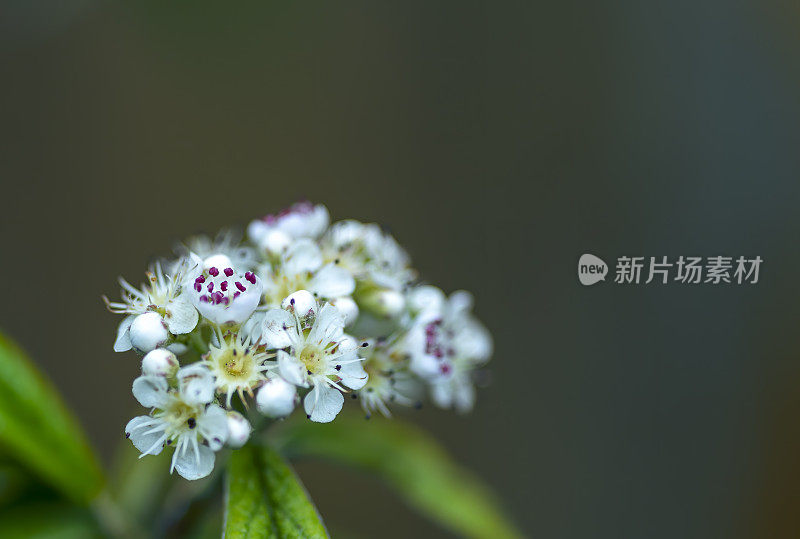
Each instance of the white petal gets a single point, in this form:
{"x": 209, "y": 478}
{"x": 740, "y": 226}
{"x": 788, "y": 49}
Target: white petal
{"x": 473, "y": 342}
{"x": 323, "y": 403}
{"x": 329, "y": 325}
{"x": 292, "y": 370}
{"x": 150, "y": 391}
{"x": 463, "y": 393}
{"x": 302, "y": 256}
{"x": 196, "y": 384}
{"x": 181, "y": 315}
{"x": 190, "y": 466}
{"x": 426, "y": 298}
{"x": 279, "y": 329}
{"x": 353, "y": 375}
{"x": 213, "y": 426}
{"x": 139, "y": 430}
{"x": 333, "y": 281}
{"x": 459, "y": 303}
{"x": 123, "y": 342}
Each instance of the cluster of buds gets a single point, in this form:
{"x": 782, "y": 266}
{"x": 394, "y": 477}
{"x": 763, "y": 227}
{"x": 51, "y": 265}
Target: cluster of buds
{"x": 299, "y": 310}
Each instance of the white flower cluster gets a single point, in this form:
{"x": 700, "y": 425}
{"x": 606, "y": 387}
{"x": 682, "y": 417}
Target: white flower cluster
{"x": 301, "y": 306}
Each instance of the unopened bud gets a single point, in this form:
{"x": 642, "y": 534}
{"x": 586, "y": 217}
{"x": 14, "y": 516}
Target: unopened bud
{"x": 159, "y": 362}
{"x": 276, "y": 398}
{"x": 148, "y": 332}
{"x": 239, "y": 430}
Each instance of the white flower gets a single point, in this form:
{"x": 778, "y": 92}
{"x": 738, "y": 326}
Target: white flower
{"x": 181, "y": 418}
{"x": 274, "y": 233}
{"x": 301, "y": 268}
{"x": 160, "y": 362}
{"x": 276, "y": 398}
{"x": 239, "y": 430}
{"x": 446, "y": 344}
{"x": 369, "y": 253}
{"x": 222, "y": 295}
{"x": 162, "y": 295}
{"x": 237, "y": 363}
{"x": 319, "y": 355}
{"x": 389, "y": 380}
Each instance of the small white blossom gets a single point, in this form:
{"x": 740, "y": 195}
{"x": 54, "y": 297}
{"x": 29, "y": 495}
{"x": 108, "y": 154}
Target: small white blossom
{"x": 389, "y": 381}
{"x": 237, "y": 363}
{"x": 446, "y": 344}
{"x": 182, "y": 418}
{"x": 368, "y": 253}
{"x": 319, "y": 355}
{"x": 162, "y": 295}
{"x": 222, "y": 295}
{"x": 274, "y": 233}
{"x": 301, "y": 267}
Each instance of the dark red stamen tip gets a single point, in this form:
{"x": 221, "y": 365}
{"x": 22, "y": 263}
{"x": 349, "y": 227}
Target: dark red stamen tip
{"x": 228, "y": 271}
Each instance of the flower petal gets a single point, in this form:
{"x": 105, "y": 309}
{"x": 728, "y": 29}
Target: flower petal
{"x": 181, "y": 315}
{"x": 291, "y": 369}
{"x": 213, "y": 426}
{"x": 353, "y": 375}
{"x": 194, "y": 465}
{"x": 123, "y": 342}
{"x": 279, "y": 329}
{"x": 150, "y": 391}
{"x": 323, "y": 403}
{"x": 333, "y": 281}
{"x": 140, "y": 432}
{"x": 196, "y": 384}
{"x": 329, "y": 325}
{"x": 302, "y": 256}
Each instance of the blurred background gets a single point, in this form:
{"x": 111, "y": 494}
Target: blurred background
{"x": 499, "y": 142}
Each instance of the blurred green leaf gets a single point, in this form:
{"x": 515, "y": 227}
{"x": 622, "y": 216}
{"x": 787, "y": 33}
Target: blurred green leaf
{"x": 412, "y": 463}
{"x": 47, "y": 521}
{"x": 265, "y": 499}
{"x": 37, "y": 430}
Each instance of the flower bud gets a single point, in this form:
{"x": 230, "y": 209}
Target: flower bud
{"x": 383, "y": 302}
{"x": 159, "y": 362}
{"x": 239, "y": 430}
{"x": 276, "y": 241}
{"x": 148, "y": 332}
{"x": 301, "y": 302}
{"x": 276, "y": 398}
{"x": 218, "y": 261}
{"x": 347, "y": 307}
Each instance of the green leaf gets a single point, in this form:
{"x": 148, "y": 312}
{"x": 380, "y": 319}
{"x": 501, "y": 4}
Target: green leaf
{"x": 412, "y": 463}
{"x": 265, "y": 499}
{"x": 37, "y": 430}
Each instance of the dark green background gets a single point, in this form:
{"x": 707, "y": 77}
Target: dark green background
{"x": 499, "y": 141}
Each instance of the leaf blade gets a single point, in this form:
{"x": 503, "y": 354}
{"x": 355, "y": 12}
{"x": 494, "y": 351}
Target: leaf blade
{"x": 266, "y": 500}
{"x": 411, "y": 462}
{"x": 37, "y": 429}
